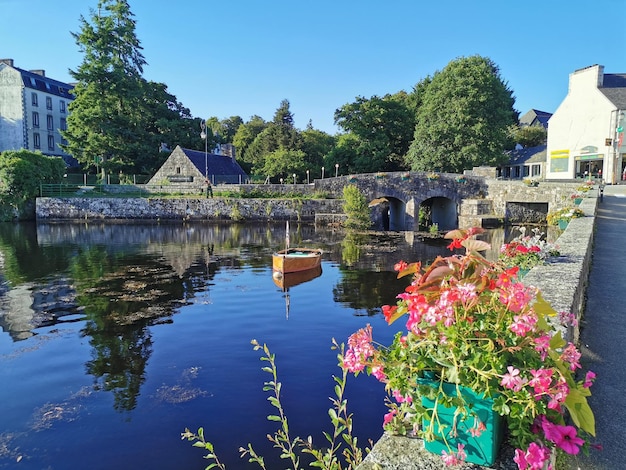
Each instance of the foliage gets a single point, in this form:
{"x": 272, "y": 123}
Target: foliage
{"x": 356, "y": 208}
{"x": 284, "y": 164}
{"x": 531, "y": 182}
{"x": 527, "y": 251}
{"x": 383, "y": 128}
{"x": 470, "y": 323}
{"x": 433, "y": 229}
{"x": 21, "y": 174}
{"x": 528, "y": 136}
{"x": 342, "y": 449}
{"x": 243, "y": 138}
{"x": 565, "y": 213}
{"x": 463, "y": 118}
{"x": 118, "y": 120}
{"x": 279, "y": 135}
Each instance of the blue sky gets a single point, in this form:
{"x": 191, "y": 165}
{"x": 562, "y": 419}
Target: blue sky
{"x": 243, "y": 57}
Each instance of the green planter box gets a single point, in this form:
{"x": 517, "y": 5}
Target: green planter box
{"x": 578, "y": 200}
{"x": 482, "y": 449}
{"x": 563, "y": 224}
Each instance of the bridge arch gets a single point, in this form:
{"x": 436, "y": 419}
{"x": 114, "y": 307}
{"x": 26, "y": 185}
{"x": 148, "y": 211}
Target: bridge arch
{"x": 440, "y": 211}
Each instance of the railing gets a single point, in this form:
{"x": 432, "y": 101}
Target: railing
{"x": 121, "y": 190}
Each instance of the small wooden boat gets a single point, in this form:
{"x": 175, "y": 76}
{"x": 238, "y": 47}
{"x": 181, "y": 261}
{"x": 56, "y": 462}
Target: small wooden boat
{"x": 293, "y": 260}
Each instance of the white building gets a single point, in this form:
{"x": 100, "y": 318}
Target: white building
{"x": 33, "y": 110}
{"x": 585, "y": 134}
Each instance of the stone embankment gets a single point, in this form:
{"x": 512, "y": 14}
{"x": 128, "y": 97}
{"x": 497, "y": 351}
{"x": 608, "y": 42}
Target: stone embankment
{"x": 562, "y": 282}
{"x": 184, "y": 209}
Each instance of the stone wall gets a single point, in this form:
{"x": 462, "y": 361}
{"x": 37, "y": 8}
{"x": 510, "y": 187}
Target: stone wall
{"x": 192, "y": 209}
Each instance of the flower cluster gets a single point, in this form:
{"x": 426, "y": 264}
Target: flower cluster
{"x": 527, "y": 251}
{"x": 565, "y": 213}
{"x": 471, "y": 324}
{"x": 432, "y": 176}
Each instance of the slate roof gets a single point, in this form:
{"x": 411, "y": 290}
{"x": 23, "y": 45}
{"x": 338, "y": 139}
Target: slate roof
{"x": 218, "y": 164}
{"x": 47, "y": 85}
{"x": 614, "y": 88}
{"x": 533, "y": 115}
{"x": 527, "y": 155}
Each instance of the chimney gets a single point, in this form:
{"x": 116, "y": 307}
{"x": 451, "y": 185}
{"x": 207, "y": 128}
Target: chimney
{"x": 9, "y": 62}
{"x": 38, "y": 72}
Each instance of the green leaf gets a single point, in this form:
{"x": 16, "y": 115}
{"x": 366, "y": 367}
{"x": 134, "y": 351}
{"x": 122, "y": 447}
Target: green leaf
{"x": 580, "y": 411}
{"x": 273, "y": 418}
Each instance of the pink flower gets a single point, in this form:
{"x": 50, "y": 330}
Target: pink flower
{"x": 542, "y": 378}
{"x": 572, "y": 356}
{"x": 523, "y": 324}
{"x": 516, "y": 296}
{"x": 454, "y": 458}
{"x": 542, "y": 343}
{"x": 589, "y": 379}
{"x": 533, "y": 459}
{"x": 389, "y": 417}
{"x": 512, "y": 379}
{"x": 478, "y": 428}
{"x": 569, "y": 441}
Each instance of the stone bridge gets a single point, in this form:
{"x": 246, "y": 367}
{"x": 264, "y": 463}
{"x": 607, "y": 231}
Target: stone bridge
{"x": 416, "y": 200}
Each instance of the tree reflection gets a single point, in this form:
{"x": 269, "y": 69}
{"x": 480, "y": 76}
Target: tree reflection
{"x": 123, "y": 294}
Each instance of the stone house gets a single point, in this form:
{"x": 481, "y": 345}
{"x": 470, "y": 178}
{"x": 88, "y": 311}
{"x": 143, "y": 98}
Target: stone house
{"x": 33, "y": 110}
{"x": 585, "y": 136}
{"x": 185, "y": 167}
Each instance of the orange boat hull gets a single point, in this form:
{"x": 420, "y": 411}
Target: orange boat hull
{"x": 295, "y": 260}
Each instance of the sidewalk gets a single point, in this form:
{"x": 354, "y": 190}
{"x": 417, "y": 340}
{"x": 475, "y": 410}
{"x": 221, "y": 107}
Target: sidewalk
{"x": 603, "y": 333}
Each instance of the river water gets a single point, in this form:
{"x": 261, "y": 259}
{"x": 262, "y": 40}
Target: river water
{"x": 115, "y": 338}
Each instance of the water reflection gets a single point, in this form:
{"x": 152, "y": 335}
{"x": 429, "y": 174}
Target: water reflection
{"x": 159, "y": 318}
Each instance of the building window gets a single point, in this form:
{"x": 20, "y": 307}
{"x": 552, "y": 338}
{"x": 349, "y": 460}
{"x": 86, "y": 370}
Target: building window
{"x": 35, "y": 119}
{"x": 63, "y": 124}
{"x": 178, "y": 170}
{"x": 51, "y": 142}
{"x": 50, "y": 122}
{"x": 62, "y": 106}
{"x": 48, "y": 102}
{"x": 536, "y": 170}
{"x": 34, "y": 99}
{"x": 36, "y": 140}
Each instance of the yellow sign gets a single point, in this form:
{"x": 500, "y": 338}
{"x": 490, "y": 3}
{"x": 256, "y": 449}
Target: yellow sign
{"x": 559, "y": 161}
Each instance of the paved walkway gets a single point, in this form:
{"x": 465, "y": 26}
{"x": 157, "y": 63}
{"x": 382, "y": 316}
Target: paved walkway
{"x": 603, "y": 334}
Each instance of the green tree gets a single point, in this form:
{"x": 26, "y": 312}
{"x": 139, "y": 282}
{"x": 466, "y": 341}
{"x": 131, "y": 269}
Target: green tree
{"x": 356, "y": 209}
{"x": 21, "y": 174}
{"x": 280, "y": 134}
{"x": 529, "y": 136}
{"x": 463, "y": 118}
{"x": 284, "y": 164}
{"x": 316, "y": 145}
{"x": 106, "y": 123}
{"x": 243, "y": 138}
{"x": 384, "y": 130}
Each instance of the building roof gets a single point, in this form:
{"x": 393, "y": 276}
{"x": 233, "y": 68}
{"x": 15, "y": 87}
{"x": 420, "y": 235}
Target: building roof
{"x": 528, "y": 155}
{"x": 37, "y": 80}
{"x": 614, "y": 88}
{"x": 535, "y": 117}
{"x": 218, "y": 164}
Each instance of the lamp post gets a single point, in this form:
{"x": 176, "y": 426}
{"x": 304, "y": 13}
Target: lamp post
{"x": 322, "y": 172}
{"x": 307, "y": 177}
{"x": 204, "y": 135}
{"x": 294, "y": 178}
{"x": 336, "y": 169}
